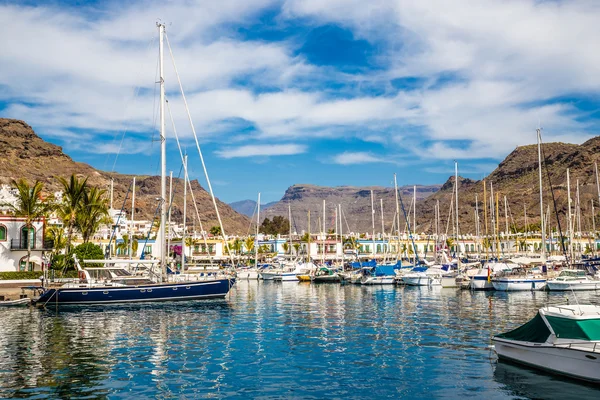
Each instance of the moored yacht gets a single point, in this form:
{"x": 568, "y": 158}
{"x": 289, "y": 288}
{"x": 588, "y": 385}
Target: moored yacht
{"x": 571, "y": 279}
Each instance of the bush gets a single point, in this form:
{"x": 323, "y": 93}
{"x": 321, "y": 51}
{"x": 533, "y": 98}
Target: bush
{"x": 10, "y": 275}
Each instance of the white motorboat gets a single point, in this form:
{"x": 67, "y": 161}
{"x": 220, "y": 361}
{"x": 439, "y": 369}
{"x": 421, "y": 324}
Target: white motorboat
{"x": 518, "y": 279}
{"x": 570, "y": 279}
{"x": 423, "y": 277}
{"x": 561, "y": 339}
{"x": 15, "y": 303}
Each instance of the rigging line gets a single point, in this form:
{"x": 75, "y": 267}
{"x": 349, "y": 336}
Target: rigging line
{"x": 187, "y": 182}
{"x": 409, "y": 231}
{"x": 212, "y": 195}
{"x": 562, "y": 242}
{"x": 113, "y": 235}
{"x": 136, "y": 92}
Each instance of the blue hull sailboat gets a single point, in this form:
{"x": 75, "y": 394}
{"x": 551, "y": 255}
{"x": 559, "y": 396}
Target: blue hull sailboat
{"x": 199, "y": 290}
{"x": 115, "y": 290}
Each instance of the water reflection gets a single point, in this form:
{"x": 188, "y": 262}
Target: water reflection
{"x": 273, "y": 340}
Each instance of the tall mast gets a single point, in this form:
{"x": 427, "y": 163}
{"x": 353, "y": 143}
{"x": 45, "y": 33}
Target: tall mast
{"x": 526, "y": 228}
{"x": 308, "y": 241}
{"x": 256, "y": 237}
{"x": 456, "y": 201}
{"x": 324, "y": 233}
{"x": 597, "y": 181}
{"x": 542, "y": 222}
{"x": 163, "y": 154}
{"x": 506, "y": 223}
{"x": 485, "y": 221}
{"x": 341, "y": 234}
{"x": 397, "y": 214}
{"x": 415, "y": 211}
{"x": 578, "y": 208}
{"x": 570, "y": 224}
{"x": 593, "y": 228}
{"x": 477, "y": 225}
{"x": 373, "y": 222}
{"x": 290, "y": 223}
{"x": 169, "y": 228}
{"x": 131, "y": 219}
{"x": 185, "y": 179}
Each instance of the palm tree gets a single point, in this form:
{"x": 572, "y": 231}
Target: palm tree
{"x": 296, "y": 247}
{"x": 57, "y": 235}
{"x": 249, "y": 244}
{"x": 124, "y": 245}
{"x": 71, "y": 205}
{"x": 285, "y": 247}
{"x": 31, "y": 206}
{"x": 93, "y": 212}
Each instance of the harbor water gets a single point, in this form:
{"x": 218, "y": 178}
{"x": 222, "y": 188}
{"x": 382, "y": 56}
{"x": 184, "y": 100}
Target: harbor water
{"x": 280, "y": 340}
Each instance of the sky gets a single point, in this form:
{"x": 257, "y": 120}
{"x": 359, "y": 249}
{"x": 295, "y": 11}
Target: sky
{"x": 325, "y": 92}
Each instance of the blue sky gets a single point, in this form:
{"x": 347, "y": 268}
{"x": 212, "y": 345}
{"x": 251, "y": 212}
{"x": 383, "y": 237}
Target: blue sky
{"x": 338, "y": 92}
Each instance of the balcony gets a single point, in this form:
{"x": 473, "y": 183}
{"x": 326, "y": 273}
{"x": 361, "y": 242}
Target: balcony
{"x": 46, "y": 245}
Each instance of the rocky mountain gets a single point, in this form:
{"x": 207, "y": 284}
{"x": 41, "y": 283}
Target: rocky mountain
{"x": 517, "y": 178}
{"x": 355, "y": 203}
{"x": 26, "y": 155}
{"x": 248, "y": 207}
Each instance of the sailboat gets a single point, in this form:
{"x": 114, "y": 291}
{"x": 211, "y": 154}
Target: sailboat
{"x": 103, "y": 292}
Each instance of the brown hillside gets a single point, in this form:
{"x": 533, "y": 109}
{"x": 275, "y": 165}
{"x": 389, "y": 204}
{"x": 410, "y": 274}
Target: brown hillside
{"x": 26, "y": 155}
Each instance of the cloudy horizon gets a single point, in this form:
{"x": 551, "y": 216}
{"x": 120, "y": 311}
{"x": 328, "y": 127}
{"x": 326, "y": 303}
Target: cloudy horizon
{"x": 338, "y": 92}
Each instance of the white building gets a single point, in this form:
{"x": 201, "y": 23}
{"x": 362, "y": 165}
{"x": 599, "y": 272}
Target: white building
{"x": 14, "y": 235}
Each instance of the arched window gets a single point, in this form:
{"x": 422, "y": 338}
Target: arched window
{"x": 2, "y": 233}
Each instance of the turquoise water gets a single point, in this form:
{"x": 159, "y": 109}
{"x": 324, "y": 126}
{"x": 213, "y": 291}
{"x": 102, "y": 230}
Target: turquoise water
{"x": 279, "y": 340}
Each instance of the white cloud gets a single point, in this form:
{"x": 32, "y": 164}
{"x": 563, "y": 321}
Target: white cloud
{"x": 349, "y": 158}
{"x": 65, "y": 72}
{"x": 262, "y": 150}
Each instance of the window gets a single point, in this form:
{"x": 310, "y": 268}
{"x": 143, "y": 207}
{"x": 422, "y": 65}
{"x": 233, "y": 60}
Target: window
{"x": 2, "y": 233}
{"x": 27, "y": 233}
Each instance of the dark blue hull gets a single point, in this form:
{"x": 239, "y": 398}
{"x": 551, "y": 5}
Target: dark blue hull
{"x": 197, "y": 290}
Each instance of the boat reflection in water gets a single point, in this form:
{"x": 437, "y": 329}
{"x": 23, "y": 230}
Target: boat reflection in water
{"x": 521, "y": 381}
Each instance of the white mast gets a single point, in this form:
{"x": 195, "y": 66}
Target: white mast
{"x": 477, "y": 224}
{"x": 597, "y": 181}
{"x": 131, "y": 219}
{"x": 397, "y": 214}
{"x": 578, "y": 211}
{"x": 593, "y": 228}
{"x": 415, "y": 212}
{"x": 185, "y": 179}
{"x": 542, "y": 222}
{"x": 506, "y": 224}
{"x": 341, "y": 235}
{"x": 570, "y": 222}
{"x": 324, "y": 234}
{"x": 290, "y": 223}
{"x": 456, "y": 218}
{"x": 256, "y": 238}
{"x": 169, "y": 231}
{"x": 163, "y": 154}
{"x": 382, "y": 225}
{"x": 373, "y": 222}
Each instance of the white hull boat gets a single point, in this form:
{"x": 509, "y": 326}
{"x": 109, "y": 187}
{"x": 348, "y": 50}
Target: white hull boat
{"x": 289, "y": 276}
{"x": 479, "y": 282}
{"x": 573, "y": 280}
{"x": 518, "y": 284}
{"x": 15, "y": 303}
{"x": 563, "y": 340}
